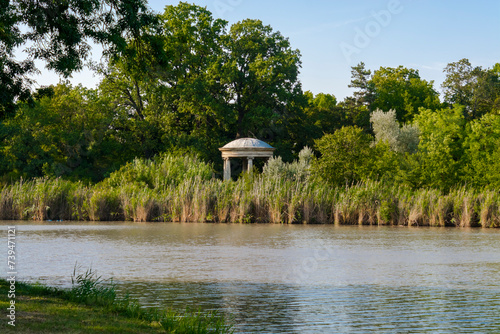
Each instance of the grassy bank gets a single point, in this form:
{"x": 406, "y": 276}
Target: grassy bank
{"x": 92, "y": 307}
{"x": 183, "y": 190}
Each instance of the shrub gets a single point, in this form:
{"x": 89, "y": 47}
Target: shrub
{"x": 346, "y": 156}
{"x": 159, "y": 173}
{"x": 386, "y": 128}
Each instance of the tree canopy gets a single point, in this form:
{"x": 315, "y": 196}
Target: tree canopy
{"x": 60, "y": 33}
{"x": 475, "y": 88}
{"x": 197, "y": 84}
{"x": 185, "y": 81}
{"x": 400, "y": 89}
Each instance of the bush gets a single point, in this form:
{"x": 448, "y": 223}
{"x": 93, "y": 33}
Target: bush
{"x": 346, "y": 156}
{"x": 161, "y": 172}
{"x": 296, "y": 170}
{"x": 386, "y": 128}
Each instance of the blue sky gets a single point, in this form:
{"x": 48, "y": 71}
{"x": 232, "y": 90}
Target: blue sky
{"x": 334, "y": 35}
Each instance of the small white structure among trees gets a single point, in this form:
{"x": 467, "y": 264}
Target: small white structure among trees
{"x": 249, "y": 148}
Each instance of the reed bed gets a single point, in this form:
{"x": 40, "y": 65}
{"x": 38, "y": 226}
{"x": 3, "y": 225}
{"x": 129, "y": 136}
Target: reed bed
{"x": 191, "y": 194}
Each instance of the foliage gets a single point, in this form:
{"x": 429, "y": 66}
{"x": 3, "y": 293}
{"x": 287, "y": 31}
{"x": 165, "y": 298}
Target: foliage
{"x": 183, "y": 83}
{"x": 260, "y": 198}
{"x": 163, "y": 171}
{"x": 361, "y": 80}
{"x": 59, "y": 33}
{"x": 66, "y": 132}
{"x": 324, "y": 115}
{"x": 386, "y": 128}
{"x": 260, "y": 72}
{"x": 195, "y": 85}
{"x": 284, "y": 193}
{"x": 14, "y": 83}
{"x": 298, "y": 170}
{"x": 159, "y": 93}
{"x": 346, "y": 156}
{"x": 440, "y": 156}
{"x": 477, "y": 89}
{"x": 398, "y": 88}
{"x": 91, "y": 297}
{"x": 482, "y": 152}
{"x": 90, "y": 288}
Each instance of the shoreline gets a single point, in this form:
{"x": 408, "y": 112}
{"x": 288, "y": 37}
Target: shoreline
{"x": 256, "y": 199}
{"x": 37, "y": 308}
{"x": 183, "y": 189}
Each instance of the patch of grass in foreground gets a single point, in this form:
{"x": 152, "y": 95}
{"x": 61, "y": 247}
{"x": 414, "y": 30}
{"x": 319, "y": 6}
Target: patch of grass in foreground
{"x": 92, "y": 307}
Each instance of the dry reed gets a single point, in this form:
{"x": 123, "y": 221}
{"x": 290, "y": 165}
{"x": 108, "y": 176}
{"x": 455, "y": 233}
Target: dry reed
{"x": 182, "y": 190}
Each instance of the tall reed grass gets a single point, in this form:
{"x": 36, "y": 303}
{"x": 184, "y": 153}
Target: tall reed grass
{"x": 182, "y": 189}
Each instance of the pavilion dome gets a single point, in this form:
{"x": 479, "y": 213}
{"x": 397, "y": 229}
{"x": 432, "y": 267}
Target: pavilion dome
{"x": 247, "y": 143}
{"x": 246, "y": 148}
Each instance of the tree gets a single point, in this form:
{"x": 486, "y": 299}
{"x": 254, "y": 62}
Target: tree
{"x": 403, "y": 90}
{"x": 398, "y": 88}
{"x": 361, "y": 79}
{"x": 346, "y": 156}
{"x": 321, "y": 115}
{"x": 387, "y": 129}
{"x": 14, "y": 83}
{"x": 197, "y": 86}
{"x": 260, "y": 72}
{"x": 167, "y": 96}
{"x": 60, "y": 33}
{"x": 476, "y": 89}
{"x": 439, "y": 160}
{"x": 482, "y": 152}
{"x": 67, "y": 132}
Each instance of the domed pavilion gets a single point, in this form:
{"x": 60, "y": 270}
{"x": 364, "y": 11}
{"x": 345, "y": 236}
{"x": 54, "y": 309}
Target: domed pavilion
{"x": 245, "y": 148}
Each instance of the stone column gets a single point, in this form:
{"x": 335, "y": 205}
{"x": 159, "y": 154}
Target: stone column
{"x": 227, "y": 169}
{"x": 250, "y": 164}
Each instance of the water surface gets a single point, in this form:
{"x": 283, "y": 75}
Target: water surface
{"x": 286, "y": 279}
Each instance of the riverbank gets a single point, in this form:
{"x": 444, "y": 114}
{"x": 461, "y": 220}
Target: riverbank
{"x": 183, "y": 190}
{"x": 90, "y": 307}
{"x": 250, "y": 200}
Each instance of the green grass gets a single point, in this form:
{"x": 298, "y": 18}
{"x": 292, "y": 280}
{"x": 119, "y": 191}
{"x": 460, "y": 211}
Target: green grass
{"x": 91, "y": 306}
{"x": 41, "y": 310}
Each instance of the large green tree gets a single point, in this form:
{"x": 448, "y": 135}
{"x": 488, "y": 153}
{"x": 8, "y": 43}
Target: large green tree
{"x": 348, "y": 156}
{"x": 67, "y": 131}
{"x": 440, "y": 157}
{"x": 482, "y": 152}
{"x": 475, "y": 88}
{"x": 60, "y": 33}
{"x": 260, "y": 72}
{"x": 197, "y": 85}
{"x": 169, "y": 95}
{"x": 400, "y": 89}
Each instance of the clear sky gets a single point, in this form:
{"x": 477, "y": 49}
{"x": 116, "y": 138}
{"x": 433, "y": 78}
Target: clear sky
{"x": 334, "y": 35}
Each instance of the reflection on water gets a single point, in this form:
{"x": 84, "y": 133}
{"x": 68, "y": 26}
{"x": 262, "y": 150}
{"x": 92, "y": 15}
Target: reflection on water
{"x": 288, "y": 279}
{"x": 349, "y": 309}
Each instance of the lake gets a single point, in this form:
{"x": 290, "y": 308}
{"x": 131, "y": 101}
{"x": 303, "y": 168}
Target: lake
{"x": 283, "y": 278}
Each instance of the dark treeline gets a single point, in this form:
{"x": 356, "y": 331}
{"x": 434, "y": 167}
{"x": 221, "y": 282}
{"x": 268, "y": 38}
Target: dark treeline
{"x": 184, "y": 82}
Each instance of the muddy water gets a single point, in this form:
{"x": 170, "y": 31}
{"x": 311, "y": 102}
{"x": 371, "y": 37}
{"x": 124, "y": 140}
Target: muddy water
{"x": 285, "y": 279}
